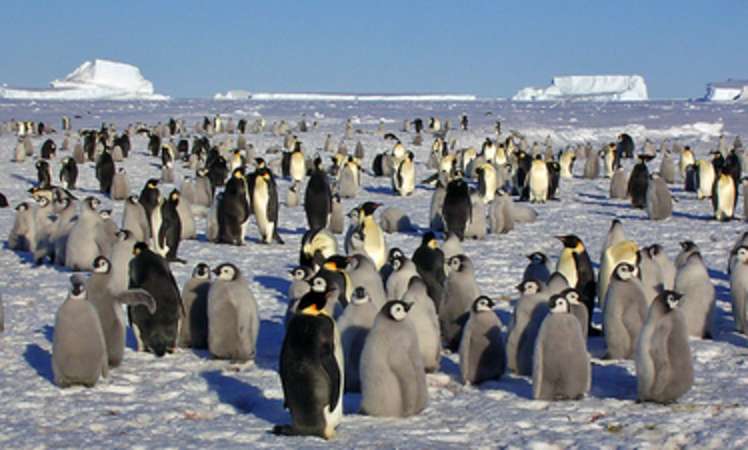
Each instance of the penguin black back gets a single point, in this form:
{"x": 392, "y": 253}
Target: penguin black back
{"x": 457, "y": 207}
{"x": 638, "y": 182}
{"x": 171, "y": 226}
{"x": 317, "y": 198}
{"x": 429, "y": 261}
{"x": 105, "y": 172}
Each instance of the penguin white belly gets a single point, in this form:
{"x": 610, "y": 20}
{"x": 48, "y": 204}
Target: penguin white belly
{"x": 490, "y": 181}
{"x": 260, "y": 199}
{"x": 156, "y": 221}
{"x": 567, "y": 267}
{"x": 609, "y": 157}
{"x": 726, "y": 199}
{"x": 538, "y": 185}
{"x": 297, "y": 168}
{"x": 706, "y": 180}
{"x": 374, "y": 242}
{"x": 409, "y": 178}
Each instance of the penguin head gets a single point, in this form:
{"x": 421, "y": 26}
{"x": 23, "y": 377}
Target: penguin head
{"x": 654, "y": 250}
{"x": 368, "y": 208}
{"x": 226, "y": 272}
{"x": 238, "y": 173}
{"x": 572, "y": 241}
{"x": 133, "y": 200}
{"x": 558, "y": 304}
{"x": 360, "y": 296}
{"x": 482, "y": 304}
{"x": 336, "y": 263}
{"x": 101, "y": 265}
{"x": 456, "y": 263}
{"x": 201, "y": 271}
{"x": 92, "y": 202}
{"x": 742, "y": 254}
{"x": 152, "y": 183}
{"x": 123, "y": 235}
{"x": 687, "y": 246}
{"x": 397, "y": 310}
{"x": 299, "y": 273}
{"x": 105, "y": 214}
{"x": 625, "y": 271}
{"x": 42, "y": 201}
{"x": 669, "y": 299}
{"x": 529, "y": 287}
{"x": 395, "y": 253}
{"x": 537, "y": 258}
{"x": 571, "y": 295}
{"x": 313, "y": 303}
{"x": 318, "y": 284}
{"x": 354, "y": 214}
{"x": 429, "y": 240}
{"x": 77, "y": 288}
{"x": 139, "y": 248}
{"x": 174, "y": 196}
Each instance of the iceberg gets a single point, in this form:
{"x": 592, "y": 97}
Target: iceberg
{"x": 727, "y": 91}
{"x": 289, "y": 96}
{"x": 98, "y": 80}
{"x": 598, "y": 88}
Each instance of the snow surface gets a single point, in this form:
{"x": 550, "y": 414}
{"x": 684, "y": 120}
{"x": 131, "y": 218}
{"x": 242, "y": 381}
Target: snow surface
{"x": 188, "y": 400}
{"x": 100, "y": 79}
{"x": 727, "y": 91}
{"x": 588, "y": 88}
{"x": 274, "y": 96}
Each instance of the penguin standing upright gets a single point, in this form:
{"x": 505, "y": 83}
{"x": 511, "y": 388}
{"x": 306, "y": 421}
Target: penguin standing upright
{"x": 264, "y": 195}
{"x": 426, "y": 322}
{"x": 482, "y": 352}
{"x": 120, "y": 187}
{"x": 537, "y": 181}
{"x": 624, "y": 313}
{"x": 43, "y": 174}
{"x": 150, "y": 199}
{"x": 355, "y": 323}
{"x": 69, "y": 173}
{"x": 739, "y": 289}
{"x": 667, "y": 167}
{"x": 311, "y": 370}
{"x": 429, "y": 261}
{"x": 456, "y": 210}
{"x": 575, "y": 264}
{"x": 232, "y": 315}
{"x": 169, "y": 233}
{"x": 105, "y": 171}
{"x": 297, "y": 163}
{"x": 659, "y": 201}
{"x": 234, "y": 210}
{"x": 706, "y": 176}
{"x": 686, "y": 159}
{"x": 724, "y": 196}
{"x": 134, "y": 219}
{"x": 638, "y": 181}
{"x": 318, "y": 198}
{"x": 461, "y": 292}
{"x": 372, "y": 235}
{"x": 698, "y": 296}
{"x": 194, "y": 330}
{"x": 404, "y": 178}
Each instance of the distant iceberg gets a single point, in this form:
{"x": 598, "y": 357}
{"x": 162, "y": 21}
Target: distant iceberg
{"x": 97, "y": 80}
{"x": 287, "y": 96}
{"x": 598, "y": 88}
{"x": 727, "y": 91}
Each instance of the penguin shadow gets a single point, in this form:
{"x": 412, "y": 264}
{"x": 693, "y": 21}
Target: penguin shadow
{"x": 612, "y": 381}
{"x": 449, "y": 367}
{"x": 351, "y": 403}
{"x": 516, "y": 384}
{"x": 619, "y": 216}
{"x": 685, "y": 215}
{"x": 719, "y": 275}
{"x": 40, "y": 360}
{"x": 278, "y": 284}
{"x": 244, "y": 397}
{"x": 285, "y": 231}
{"x": 592, "y": 196}
{"x": 22, "y": 178}
{"x": 130, "y": 341}
{"x": 269, "y": 341}
{"x": 378, "y": 189}
{"x": 48, "y": 331}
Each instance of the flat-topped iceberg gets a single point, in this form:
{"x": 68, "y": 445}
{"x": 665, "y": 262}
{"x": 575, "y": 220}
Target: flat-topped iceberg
{"x": 727, "y": 91}
{"x": 289, "y": 96}
{"x": 601, "y": 88}
{"x": 98, "y": 80}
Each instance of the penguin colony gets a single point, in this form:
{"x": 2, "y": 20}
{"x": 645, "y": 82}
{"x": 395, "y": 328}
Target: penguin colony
{"x": 362, "y": 317}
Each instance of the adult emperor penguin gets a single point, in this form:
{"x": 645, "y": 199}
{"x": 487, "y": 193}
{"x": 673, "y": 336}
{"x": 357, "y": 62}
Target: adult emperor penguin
{"x": 232, "y": 315}
{"x": 724, "y": 196}
{"x": 404, "y": 178}
{"x": 120, "y": 187}
{"x": 461, "y": 292}
{"x": 624, "y": 313}
{"x": 316, "y": 246}
{"x": 234, "y": 210}
{"x": 393, "y": 379}
{"x": 150, "y": 199}
{"x": 105, "y": 171}
{"x": 706, "y": 177}
{"x": 156, "y": 333}
{"x": 372, "y": 234}
{"x": 659, "y": 200}
{"x": 318, "y": 197}
{"x": 354, "y": 324}
{"x": 457, "y": 210}
{"x": 739, "y": 289}
{"x": 561, "y": 364}
{"x": 482, "y": 352}
{"x": 79, "y": 353}
{"x": 297, "y": 163}
{"x": 538, "y": 181}
{"x": 486, "y": 182}
{"x": 686, "y": 159}
{"x": 664, "y": 370}
{"x": 698, "y": 301}
{"x": 108, "y": 306}
{"x": 69, "y": 173}
{"x": 638, "y": 181}
{"x": 566, "y": 162}
{"x": 43, "y": 174}
{"x": 169, "y": 232}
{"x": 575, "y": 265}
{"x": 311, "y": 370}
{"x": 265, "y": 205}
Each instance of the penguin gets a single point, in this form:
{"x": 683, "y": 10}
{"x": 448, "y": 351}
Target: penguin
{"x": 393, "y": 379}
{"x": 486, "y": 182}
{"x": 311, "y": 370}
{"x": 482, "y": 352}
{"x": 234, "y": 210}
{"x": 687, "y": 159}
{"x": 739, "y": 289}
{"x": 611, "y": 159}
{"x": 79, "y": 355}
{"x": 120, "y": 189}
{"x": 20, "y": 152}
{"x": 317, "y": 198}
{"x": 354, "y": 324}
{"x": 436, "y": 219}
{"x": 619, "y": 184}
{"x": 43, "y": 174}
{"x": 156, "y": 333}
{"x": 461, "y": 291}
{"x": 264, "y": 194}
{"x": 426, "y": 322}
{"x": 203, "y": 191}
{"x": 566, "y": 163}
{"x": 187, "y": 220}
{"x": 575, "y": 265}
{"x": 687, "y": 249}
{"x": 337, "y": 217}
{"x": 403, "y": 269}
{"x": 430, "y": 263}
{"x": 134, "y": 219}
{"x": 537, "y": 181}
{"x": 372, "y": 235}
{"x": 706, "y": 177}
{"x": 150, "y": 199}
{"x": 624, "y": 313}
{"x": 300, "y": 277}
{"x": 698, "y": 296}
{"x": 666, "y": 267}
{"x": 87, "y": 238}
{"x": 362, "y": 272}
{"x": 394, "y": 220}
{"x": 22, "y": 236}
{"x": 561, "y": 364}
{"x": 618, "y": 252}
{"x": 664, "y": 369}
{"x": 297, "y": 164}
{"x": 456, "y": 210}
{"x": 348, "y": 179}
{"x": 169, "y": 234}
{"x": 404, "y": 178}
{"x": 501, "y": 218}
{"x": 105, "y": 170}
{"x": 538, "y": 268}
{"x": 108, "y": 307}
{"x": 638, "y": 181}
{"x": 624, "y": 146}
{"x": 316, "y": 246}
{"x": 691, "y": 179}
{"x": 659, "y": 200}
{"x": 359, "y": 151}
{"x": 232, "y": 315}
{"x": 69, "y": 173}
{"x": 667, "y": 167}
{"x": 724, "y": 196}
{"x": 651, "y": 276}
{"x": 591, "y": 166}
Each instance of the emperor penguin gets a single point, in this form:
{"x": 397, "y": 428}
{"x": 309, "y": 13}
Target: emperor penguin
{"x": 667, "y": 167}
{"x": 134, "y": 219}
{"x": 619, "y": 184}
{"x": 538, "y": 268}
{"x": 373, "y": 236}
{"x": 575, "y": 265}
{"x": 348, "y": 179}
{"x": 404, "y": 178}
{"x": 337, "y": 216}
{"x": 234, "y": 210}
{"x": 312, "y": 370}
{"x": 354, "y": 324}
{"x": 610, "y": 159}
{"x": 482, "y": 352}
{"x": 154, "y": 332}
{"x": 22, "y": 236}
{"x": 461, "y": 291}
{"x": 706, "y": 176}
{"x": 292, "y": 196}
{"x": 79, "y": 355}
{"x": 624, "y": 313}
{"x": 167, "y": 227}
{"x": 456, "y": 210}
{"x": 698, "y": 300}
{"x": 403, "y": 269}
{"x": 20, "y": 152}
{"x": 566, "y": 162}
{"x": 623, "y": 251}
{"x": 264, "y": 194}
{"x": 664, "y": 370}
{"x": 638, "y": 181}
{"x": 394, "y": 220}
{"x": 659, "y": 200}
{"x": 87, "y": 239}
{"x": 120, "y": 187}
{"x": 316, "y": 246}
{"x": 318, "y": 198}
{"x": 69, "y": 173}
{"x": 561, "y": 364}
{"x": 578, "y": 309}
{"x": 187, "y": 220}
{"x": 501, "y": 217}
{"x": 426, "y": 321}
{"x": 739, "y": 289}
{"x": 476, "y": 227}
{"x": 66, "y": 217}
{"x": 591, "y": 166}
{"x": 430, "y": 264}
{"x": 232, "y": 315}
{"x": 150, "y": 199}
{"x": 666, "y": 267}
{"x": 538, "y": 181}
{"x": 687, "y": 249}
{"x": 486, "y": 182}
{"x": 724, "y": 196}
{"x": 194, "y": 330}
{"x": 105, "y": 170}
{"x": 436, "y": 219}
{"x": 108, "y": 305}
{"x": 393, "y": 378}
{"x": 686, "y": 159}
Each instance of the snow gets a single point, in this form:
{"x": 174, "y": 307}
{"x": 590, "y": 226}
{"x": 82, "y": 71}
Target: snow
{"x": 274, "y": 96}
{"x": 726, "y": 91}
{"x": 98, "y": 80}
{"x": 188, "y": 400}
{"x": 588, "y": 88}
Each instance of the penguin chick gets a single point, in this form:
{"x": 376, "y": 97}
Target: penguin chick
{"x": 482, "y": 353}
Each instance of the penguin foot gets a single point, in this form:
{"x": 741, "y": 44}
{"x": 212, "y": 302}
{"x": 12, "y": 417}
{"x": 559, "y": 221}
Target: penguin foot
{"x": 283, "y": 430}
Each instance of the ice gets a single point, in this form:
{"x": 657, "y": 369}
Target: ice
{"x": 269, "y": 96}
{"x": 727, "y": 91}
{"x": 588, "y": 88}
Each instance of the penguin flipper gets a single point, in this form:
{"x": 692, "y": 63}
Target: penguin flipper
{"x": 137, "y": 297}
{"x": 330, "y": 364}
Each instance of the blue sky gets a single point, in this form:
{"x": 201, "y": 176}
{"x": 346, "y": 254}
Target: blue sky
{"x": 491, "y": 48}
